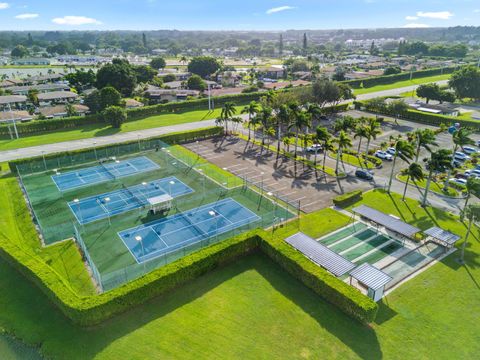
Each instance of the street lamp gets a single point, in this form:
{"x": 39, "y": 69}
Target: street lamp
{"x": 95, "y": 149}
{"x": 170, "y": 183}
{"x": 44, "y": 162}
{"x": 77, "y": 202}
{"x": 140, "y": 240}
{"x": 213, "y": 214}
{"x": 107, "y": 199}
{"x": 203, "y": 180}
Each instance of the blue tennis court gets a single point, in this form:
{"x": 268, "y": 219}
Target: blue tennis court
{"x": 116, "y": 202}
{"x": 104, "y": 172}
{"x": 154, "y": 239}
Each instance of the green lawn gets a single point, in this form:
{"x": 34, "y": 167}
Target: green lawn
{"x": 434, "y": 186}
{"x": 252, "y": 309}
{"x": 401, "y": 84}
{"x": 92, "y": 131}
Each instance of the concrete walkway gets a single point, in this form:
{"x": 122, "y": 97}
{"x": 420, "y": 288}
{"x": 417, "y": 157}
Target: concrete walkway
{"x": 99, "y": 141}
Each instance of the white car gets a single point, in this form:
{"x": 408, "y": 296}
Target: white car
{"x": 314, "y": 148}
{"x": 461, "y": 156}
{"x": 462, "y": 182}
{"x": 391, "y": 151}
{"x": 469, "y": 150}
{"x": 383, "y": 155}
{"x": 474, "y": 172}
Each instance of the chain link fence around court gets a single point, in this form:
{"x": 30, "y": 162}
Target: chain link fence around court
{"x": 47, "y": 203}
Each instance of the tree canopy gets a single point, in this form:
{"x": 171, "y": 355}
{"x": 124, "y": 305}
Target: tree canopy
{"x": 158, "y": 63}
{"x": 195, "y": 82}
{"x": 203, "y": 66}
{"x": 466, "y": 82}
{"x": 119, "y": 74}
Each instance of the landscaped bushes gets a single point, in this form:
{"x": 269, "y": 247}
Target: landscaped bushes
{"x": 327, "y": 286}
{"x": 347, "y": 198}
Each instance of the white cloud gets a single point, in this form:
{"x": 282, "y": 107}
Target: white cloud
{"x": 443, "y": 15}
{"x": 26, "y": 16}
{"x": 4, "y": 5}
{"x": 278, "y": 9}
{"x": 75, "y": 20}
{"x": 411, "y": 18}
{"x": 416, "y": 25}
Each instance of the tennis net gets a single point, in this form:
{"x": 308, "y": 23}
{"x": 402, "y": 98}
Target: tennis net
{"x": 107, "y": 171}
{"x": 135, "y": 196}
{"x": 203, "y": 233}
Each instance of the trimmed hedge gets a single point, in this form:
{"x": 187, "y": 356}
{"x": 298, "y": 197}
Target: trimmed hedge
{"x": 389, "y": 79}
{"x": 347, "y": 198}
{"x": 419, "y": 116}
{"x": 172, "y": 138}
{"x": 330, "y": 288}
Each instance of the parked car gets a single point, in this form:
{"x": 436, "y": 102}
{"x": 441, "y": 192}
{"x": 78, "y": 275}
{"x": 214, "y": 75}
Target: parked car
{"x": 474, "y": 172}
{"x": 461, "y": 176}
{"x": 462, "y": 182}
{"x": 314, "y": 148}
{"x": 461, "y": 156}
{"x": 391, "y": 151}
{"x": 364, "y": 174}
{"x": 469, "y": 150}
{"x": 383, "y": 155}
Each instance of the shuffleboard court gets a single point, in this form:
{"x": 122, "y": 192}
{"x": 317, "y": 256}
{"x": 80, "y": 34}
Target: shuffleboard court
{"x": 102, "y": 206}
{"x": 104, "y": 172}
{"x": 154, "y": 239}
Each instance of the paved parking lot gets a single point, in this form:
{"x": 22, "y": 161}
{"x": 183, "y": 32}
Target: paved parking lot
{"x": 277, "y": 175}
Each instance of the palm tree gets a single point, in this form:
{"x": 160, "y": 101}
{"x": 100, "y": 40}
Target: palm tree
{"x": 251, "y": 109}
{"x": 439, "y": 161}
{"x": 183, "y": 60}
{"x": 322, "y": 136}
{"x": 287, "y": 141}
{"x": 343, "y": 141}
{"x": 313, "y": 110}
{"x": 282, "y": 119}
{"x": 360, "y": 132}
{"x": 472, "y": 212}
{"x": 424, "y": 138}
{"x": 403, "y": 150}
{"x": 372, "y": 128}
{"x": 298, "y": 120}
{"x": 460, "y": 138}
{"x": 414, "y": 172}
{"x": 472, "y": 187}
{"x": 265, "y": 117}
{"x": 228, "y": 110}
{"x": 254, "y": 122}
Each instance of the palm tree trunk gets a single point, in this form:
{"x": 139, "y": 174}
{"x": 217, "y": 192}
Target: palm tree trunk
{"x": 462, "y": 214}
{"x": 464, "y": 245}
{"x": 368, "y": 146}
{"x": 338, "y": 160}
{"x": 427, "y": 188}
{"x": 359, "y": 144}
{"x": 406, "y": 186}
{"x": 391, "y": 172}
{"x": 278, "y": 138}
{"x": 449, "y": 173}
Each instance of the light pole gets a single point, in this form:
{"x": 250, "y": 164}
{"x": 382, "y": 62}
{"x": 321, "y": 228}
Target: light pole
{"x": 209, "y": 98}
{"x": 262, "y": 173}
{"x": 138, "y": 140}
{"x": 44, "y": 162}
{"x": 77, "y": 202}
{"x": 13, "y": 120}
{"x": 170, "y": 183}
{"x": 213, "y": 214}
{"x": 140, "y": 240}
{"x": 95, "y": 149}
{"x": 107, "y": 199}
{"x": 203, "y": 180}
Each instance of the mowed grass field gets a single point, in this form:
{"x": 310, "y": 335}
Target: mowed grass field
{"x": 252, "y": 309}
{"x": 98, "y": 130}
{"x": 400, "y": 84}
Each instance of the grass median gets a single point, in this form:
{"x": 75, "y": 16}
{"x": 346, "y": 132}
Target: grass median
{"x": 400, "y": 84}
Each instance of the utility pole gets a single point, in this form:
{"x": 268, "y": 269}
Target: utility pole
{"x": 13, "y": 120}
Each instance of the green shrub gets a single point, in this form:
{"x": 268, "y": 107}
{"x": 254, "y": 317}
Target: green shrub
{"x": 327, "y": 286}
{"x": 347, "y": 198}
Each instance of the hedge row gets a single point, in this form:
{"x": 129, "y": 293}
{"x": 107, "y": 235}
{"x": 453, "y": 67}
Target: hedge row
{"x": 389, "y": 79}
{"x": 419, "y": 116}
{"x": 347, "y": 198}
{"x": 327, "y": 286}
{"x": 171, "y": 138}
{"x": 36, "y": 126}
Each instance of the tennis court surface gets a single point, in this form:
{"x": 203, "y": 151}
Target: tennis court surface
{"x": 102, "y": 206}
{"x": 104, "y": 172}
{"x": 154, "y": 239}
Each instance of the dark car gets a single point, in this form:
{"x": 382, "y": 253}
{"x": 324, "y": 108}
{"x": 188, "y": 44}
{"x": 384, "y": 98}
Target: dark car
{"x": 461, "y": 176}
{"x": 364, "y": 174}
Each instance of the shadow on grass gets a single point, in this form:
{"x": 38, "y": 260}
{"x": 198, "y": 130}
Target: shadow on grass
{"x": 37, "y": 320}
{"x": 385, "y": 312}
{"x": 106, "y": 132}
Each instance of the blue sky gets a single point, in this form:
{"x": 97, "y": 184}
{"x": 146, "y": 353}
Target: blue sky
{"x": 234, "y": 15}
